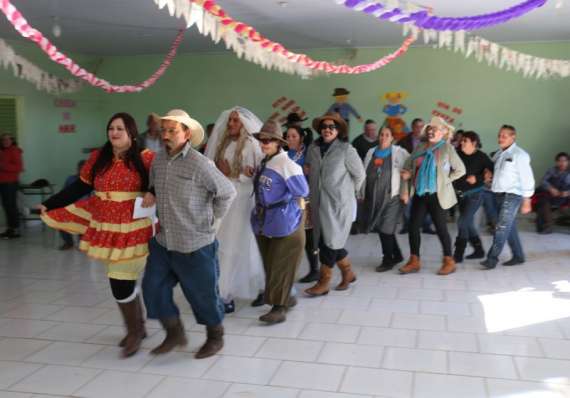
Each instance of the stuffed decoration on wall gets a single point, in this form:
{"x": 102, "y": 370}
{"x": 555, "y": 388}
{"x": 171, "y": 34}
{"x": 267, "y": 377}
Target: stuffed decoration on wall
{"x": 394, "y": 110}
{"x": 342, "y": 107}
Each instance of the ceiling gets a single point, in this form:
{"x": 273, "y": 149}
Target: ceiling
{"x": 136, "y": 27}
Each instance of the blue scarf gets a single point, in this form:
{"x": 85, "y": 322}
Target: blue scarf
{"x": 383, "y": 153}
{"x": 426, "y": 181}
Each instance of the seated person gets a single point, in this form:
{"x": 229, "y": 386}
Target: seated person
{"x": 555, "y": 193}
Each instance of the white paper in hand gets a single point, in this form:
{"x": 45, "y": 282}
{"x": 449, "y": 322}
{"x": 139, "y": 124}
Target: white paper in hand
{"x": 143, "y": 212}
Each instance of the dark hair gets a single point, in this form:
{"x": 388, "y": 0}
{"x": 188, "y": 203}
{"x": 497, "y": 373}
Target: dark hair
{"x": 342, "y": 135}
{"x": 387, "y": 128}
{"x": 12, "y": 138}
{"x": 305, "y": 134}
{"x": 132, "y": 157}
{"x": 561, "y": 155}
{"x": 417, "y": 120}
{"x": 369, "y": 121}
{"x": 509, "y": 127}
{"x": 473, "y": 137}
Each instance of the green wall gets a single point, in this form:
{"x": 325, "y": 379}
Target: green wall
{"x": 204, "y": 85}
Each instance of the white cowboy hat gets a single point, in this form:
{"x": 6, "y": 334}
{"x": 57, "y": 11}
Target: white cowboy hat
{"x": 178, "y": 115}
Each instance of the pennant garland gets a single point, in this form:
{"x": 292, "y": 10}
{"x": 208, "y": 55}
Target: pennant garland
{"x": 26, "y": 70}
{"x": 421, "y": 18}
{"x": 494, "y": 54}
{"x": 212, "y": 20}
{"x": 21, "y": 25}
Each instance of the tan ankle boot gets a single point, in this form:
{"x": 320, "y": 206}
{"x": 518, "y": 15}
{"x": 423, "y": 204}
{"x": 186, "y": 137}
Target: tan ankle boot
{"x": 214, "y": 342}
{"x": 413, "y": 265}
{"x": 348, "y": 275}
{"x": 447, "y": 267}
{"x": 322, "y": 286}
{"x": 175, "y": 336}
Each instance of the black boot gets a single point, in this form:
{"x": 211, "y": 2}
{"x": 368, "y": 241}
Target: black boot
{"x": 478, "y": 246}
{"x": 259, "y": 300}
{"x": 313, "y": 258}
{"x": 387, "y": 253}
{"x": 460, "y": 244}
{"x": 396, "y": 252}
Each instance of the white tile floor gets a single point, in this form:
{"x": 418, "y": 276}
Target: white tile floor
{"x": 503, "y": 333}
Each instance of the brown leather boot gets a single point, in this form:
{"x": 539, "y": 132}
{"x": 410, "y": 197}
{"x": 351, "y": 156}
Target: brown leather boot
{"x": 322, "y": 286}
{"x": 133, "y": 317}
{"x": 175, "y": 336}
{"x": 142, "y": 328}
{"x": 448, "y": 266}
{"x": 348, "y": 276}
{"x": 214, "y": 342}
{"x": 413, "y": 265}
{"x": 276, "y": 315}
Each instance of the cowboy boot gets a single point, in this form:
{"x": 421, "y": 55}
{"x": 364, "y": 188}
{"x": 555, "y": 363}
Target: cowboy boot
{"x": 460, "y": 244}
{"x": 413, "y": 265}
{"x": 276, "y": 315}
{"x": 133, "y": 318}
{"x": 478, "y": 246}
{"x": 175, "y": 336}
{"x": 214, "y": 342}
{"x": 348, "y": 275}
{"x": 447, "y": 267}
{"x": 141, "y": 327}
{"x": 322, "y": 286}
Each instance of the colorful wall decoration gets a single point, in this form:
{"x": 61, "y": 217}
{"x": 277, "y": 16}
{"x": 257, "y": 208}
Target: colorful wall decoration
{"x": 394, "y": 110}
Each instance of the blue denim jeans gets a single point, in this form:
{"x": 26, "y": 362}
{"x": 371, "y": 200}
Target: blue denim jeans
{"x": 506, "y": 229}
{"x": 197, "y": 272}
{"x": 468, "y": 206}
{"x": 490, "y": 206}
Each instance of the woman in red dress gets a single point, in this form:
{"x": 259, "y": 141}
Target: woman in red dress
{"x": 116, "y": 174}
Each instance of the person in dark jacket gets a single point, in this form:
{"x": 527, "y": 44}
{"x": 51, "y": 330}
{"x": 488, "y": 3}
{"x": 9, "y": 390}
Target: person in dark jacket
{"x": 469, "y": 189}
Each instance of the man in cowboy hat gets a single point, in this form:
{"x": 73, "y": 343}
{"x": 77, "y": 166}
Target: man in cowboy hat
{"x": 342, "y": 107}
{"x": 192, "y": 196}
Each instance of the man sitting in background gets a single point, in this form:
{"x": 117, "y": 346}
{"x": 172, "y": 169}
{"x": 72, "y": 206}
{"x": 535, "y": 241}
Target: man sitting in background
{"x": 368, "y": 139}
{"x": 556, "y": 193}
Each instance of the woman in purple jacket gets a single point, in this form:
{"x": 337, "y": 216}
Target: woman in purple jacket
{"x": 278, "y": 221}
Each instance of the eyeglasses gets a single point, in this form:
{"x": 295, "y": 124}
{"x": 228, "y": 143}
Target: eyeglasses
{"x": 328, "y": 126}
{"x": 266, "y": 141}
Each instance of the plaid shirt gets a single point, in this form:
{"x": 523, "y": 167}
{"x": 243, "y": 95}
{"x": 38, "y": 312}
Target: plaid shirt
{"x": 190, "y": 194}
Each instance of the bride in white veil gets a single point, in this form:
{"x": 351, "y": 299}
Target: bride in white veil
{"x": 237, "y": 154}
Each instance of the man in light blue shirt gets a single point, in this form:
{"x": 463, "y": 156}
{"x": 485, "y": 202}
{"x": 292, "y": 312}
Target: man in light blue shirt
{"x": 513, "y": 186}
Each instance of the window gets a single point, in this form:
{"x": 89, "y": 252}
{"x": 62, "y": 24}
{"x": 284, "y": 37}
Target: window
{"x": 8, "y": 115}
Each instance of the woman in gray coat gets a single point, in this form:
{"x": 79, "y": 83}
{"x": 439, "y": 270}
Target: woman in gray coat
{"x": 335, "y": 175}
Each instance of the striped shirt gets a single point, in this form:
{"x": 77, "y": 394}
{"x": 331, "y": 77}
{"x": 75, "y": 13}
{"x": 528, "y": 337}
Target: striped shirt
{"x": 191, "y": 193}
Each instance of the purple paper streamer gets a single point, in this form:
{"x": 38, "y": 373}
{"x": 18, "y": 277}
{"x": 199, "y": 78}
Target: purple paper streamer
{"x": 422, "y": 20}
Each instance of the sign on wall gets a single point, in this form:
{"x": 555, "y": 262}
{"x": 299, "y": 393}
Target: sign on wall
{"x": 66, "y": 126}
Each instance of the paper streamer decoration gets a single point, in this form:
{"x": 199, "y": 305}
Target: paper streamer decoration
{"x": 421, "y": 18}
{"x": 211, "y": 20}
{"x": 26, "y": 70}
{"x": 27, "y": 31}
{"x": 282, "y": 106}
{"x": 495, "y": 55}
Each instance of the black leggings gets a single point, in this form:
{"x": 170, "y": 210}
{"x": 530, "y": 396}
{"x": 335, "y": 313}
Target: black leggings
{"x": 328, "y": 256}
{"x": 420, "y": 206}
{"x": 122, "y": 289}
{"x": 311, "y": 250}
{"x": 9, "y": 198}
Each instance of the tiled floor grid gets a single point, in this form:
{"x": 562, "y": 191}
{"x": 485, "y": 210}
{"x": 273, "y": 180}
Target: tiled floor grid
{"x": 502, "y": 333}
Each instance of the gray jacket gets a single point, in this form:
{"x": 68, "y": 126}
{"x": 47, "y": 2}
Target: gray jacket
{"x": 334, "y": 180}
{"x": 449, "y": 166}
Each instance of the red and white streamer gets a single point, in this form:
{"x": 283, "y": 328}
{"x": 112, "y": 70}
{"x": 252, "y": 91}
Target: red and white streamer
{"x": 21, "y": 25}
{"x": 211, "y": 19}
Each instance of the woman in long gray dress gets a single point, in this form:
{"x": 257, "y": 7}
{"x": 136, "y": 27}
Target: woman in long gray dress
{"x": 335, "y": 175}
{"x": 382, "y": 206}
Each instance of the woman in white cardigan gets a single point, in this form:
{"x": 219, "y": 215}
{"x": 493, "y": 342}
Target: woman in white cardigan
{"x": 382, "y": 206}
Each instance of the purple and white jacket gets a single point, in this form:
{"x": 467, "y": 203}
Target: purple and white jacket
{"x": 281, "y": 184}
